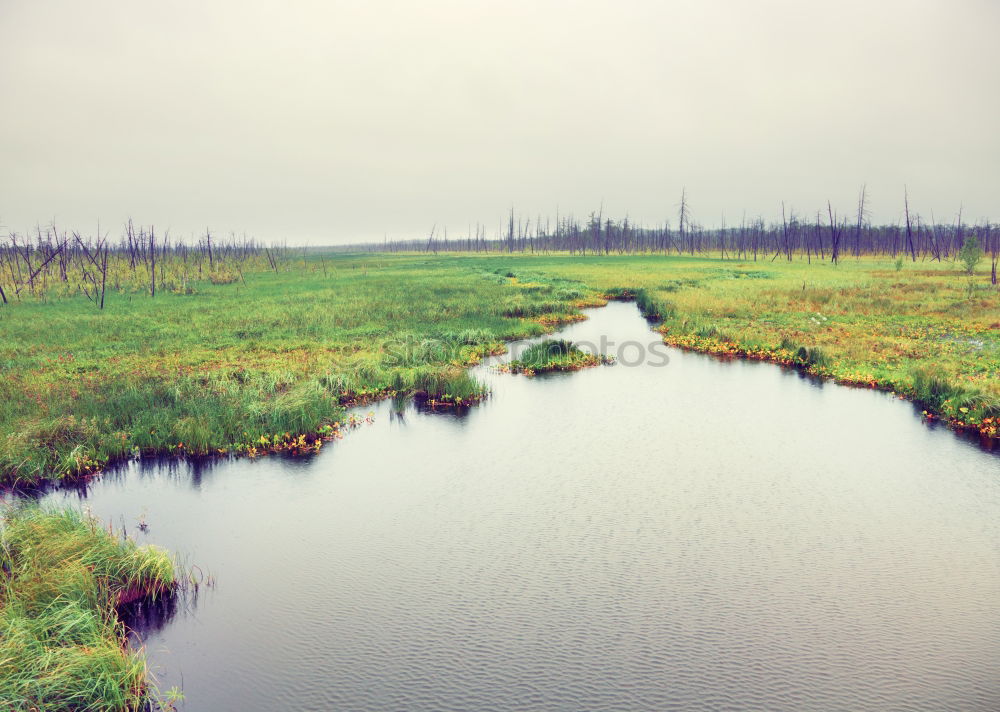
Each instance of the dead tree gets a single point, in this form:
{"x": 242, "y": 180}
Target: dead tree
{"x": 862, "y": 197}
{"x": 835, "y": 235}
{"x": 152, "y": 262}
{"x": 99, "y": 260}
{"x": 684, "y": 219}
{"x": 909, "y": 229}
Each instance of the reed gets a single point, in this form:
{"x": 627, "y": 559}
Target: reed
{"x": 453, "y": 388}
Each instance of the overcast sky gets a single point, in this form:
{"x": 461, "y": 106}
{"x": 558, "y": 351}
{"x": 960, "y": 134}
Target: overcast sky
{"x": 339, "y": 121}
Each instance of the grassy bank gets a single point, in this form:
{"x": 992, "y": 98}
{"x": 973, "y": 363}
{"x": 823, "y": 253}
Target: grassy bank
{"x": 270, "y": 361}
{"x": 247, "y": 367}
{"x": 923, "y": 330}
{"x": 62, "y": 646}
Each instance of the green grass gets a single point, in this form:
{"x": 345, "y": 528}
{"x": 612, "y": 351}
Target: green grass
{"x": 553, "y": 355}
{"x": 62, "y": 646}
{"x": 440, "y": 389}
{"x": 862, "y": 322}
{"x": 279, "y": 355}
{"x": 231, "y": 364}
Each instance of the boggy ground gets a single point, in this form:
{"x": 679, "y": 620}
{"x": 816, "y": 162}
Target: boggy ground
{"x": 270, "y": 362}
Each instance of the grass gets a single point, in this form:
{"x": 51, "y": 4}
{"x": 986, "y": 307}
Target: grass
{"x": 553, "y": 355}
{"x": 271, "y": 361}
{"x": 861, "y": 323}
{"x": 445, "y": 389}
{"x": 62, "y": 646}
{"x": 229, "y": 365}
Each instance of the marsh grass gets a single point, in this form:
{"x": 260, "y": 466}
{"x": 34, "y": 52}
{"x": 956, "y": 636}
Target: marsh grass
{"x": 62, "y": 645}
{"x": 452, "y": 388}
{"x": 860, "y": 323}
{"x": 553, "y": 355}
{"x": 277, "y": 352}
{"x": 285, "y": 351}
{"x": 966, "y": 405}
{"x": 653, "y": 309}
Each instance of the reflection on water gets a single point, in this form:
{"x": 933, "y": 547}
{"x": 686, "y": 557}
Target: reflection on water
{"x": 149, "y": 616}
{"x": 704, "y": 536}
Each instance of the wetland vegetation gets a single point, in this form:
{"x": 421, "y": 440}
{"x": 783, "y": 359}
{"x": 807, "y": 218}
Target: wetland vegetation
{"x": 204, "y": 365}
{"x": 62, "y": 645}
{"x": 554, "y": 355}
{"x": 114, "y": 352}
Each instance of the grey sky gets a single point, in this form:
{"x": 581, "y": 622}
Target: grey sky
{"x": 340, "y": 121}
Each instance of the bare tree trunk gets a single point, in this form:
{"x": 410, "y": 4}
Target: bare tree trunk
{"x": 683, "y": 216}
{"x": 834, "y": 236}
{"x": 152, "y": 262}
{"x": 909, "y": 229}
{"x": 861, "y": 216}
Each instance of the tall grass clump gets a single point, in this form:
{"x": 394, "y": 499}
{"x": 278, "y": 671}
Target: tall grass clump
{"x": 469, "y": 337}
{"x": 812, "y": 356}
{"x": 523, "y": 307}
{"x": 710, "y": 331}
{"x": 62, "y": 646}
{"x": 653, "y": 309}
{"x": 962, "y": 405}
{"x": 446, "y": 388}
{"x": 554, "y": 355}
{"x": 931, "y": 388}
{"x": 620, "y": 293}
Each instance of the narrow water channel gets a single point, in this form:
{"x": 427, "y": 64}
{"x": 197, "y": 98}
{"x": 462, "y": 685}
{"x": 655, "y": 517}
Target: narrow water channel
{"x": 695, "y": 535}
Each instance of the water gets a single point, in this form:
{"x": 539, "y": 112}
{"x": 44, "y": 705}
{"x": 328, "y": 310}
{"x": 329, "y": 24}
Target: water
{"x": 699, "y": 536}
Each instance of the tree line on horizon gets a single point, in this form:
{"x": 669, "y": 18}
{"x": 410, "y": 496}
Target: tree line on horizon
{"x": 825, "y": 235}
{"x": 54, "y": 262}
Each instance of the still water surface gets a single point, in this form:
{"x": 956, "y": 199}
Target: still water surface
{"x": 699, "y": 536}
